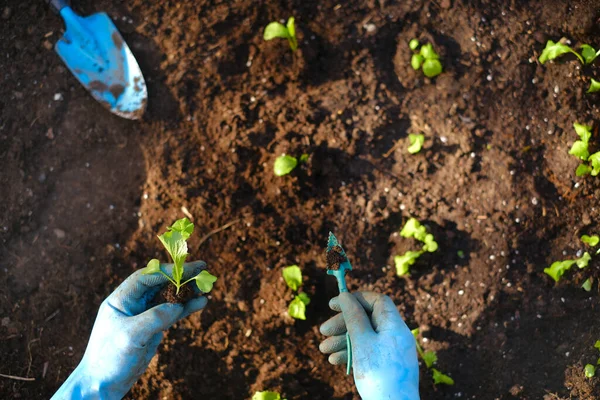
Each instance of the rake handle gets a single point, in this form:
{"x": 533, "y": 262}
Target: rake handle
{"x": 57, "y": 5}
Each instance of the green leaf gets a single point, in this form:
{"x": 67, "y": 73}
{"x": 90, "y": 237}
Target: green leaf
{"x": 588, "y": 53}
{"x": 291, "y": 27}
{"x": 292, "y": 275}
{"x": 584, "y": 261}
{"x": 594, "y": 160}
{"x": 587, "y": 286}
{"x": 304, "y": 158}
{"x": 177, "y": 248}
{"x": 297, "y": 309}
{"x": 597, "y": 344}
{"x": 580, "y": 149}
{"x": 594, "y": 86}
{"x": 428, "y": 52}
{"x": 404, "y": 262}
{"x": 432, "y": 68}
{"x": 416, "y": 61}
{"x": 276, "y": 30}
{"x": 416, "y": 142}
{"x": 430, "y": 243}
{"x": 304, "y": 298}
{"x": 589, "y": 371}
{"x": 583, "y": 170}
{"x": 413, "y": 44}
{"x": 266, "y": 396}
{"x": 284, "y": 165}
{"x": 183, "y": 226}
{"x": 415, "y": 332}
{"x": 558, "y": 269}
{"x": 583, "y": 131}
{"x": 591, "y": 240}
{"x": 205, "y": 281}
{"x": 554, "y": 50}
{"x": 439, "y": 378}
{"x": 152, "y": 267}
{"x": 430, "y": 358}
{"x": 460, "y": 254}
{"x": 413, "y": 228}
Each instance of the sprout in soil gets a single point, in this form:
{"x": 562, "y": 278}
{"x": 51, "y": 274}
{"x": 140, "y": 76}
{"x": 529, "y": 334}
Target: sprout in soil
{"x": 285, "y": 164}
{"x": 426, "y": 59}
{"x": 414, "y": 229}
{"x": 266, "y": 396}
{"x": 175, "y": 241}
{"x": 292, "y": 276}
{"x": 278, "y": 30}
{"x": 580, "y": 149}
{"x": 430, "y": 358}
{"x": 594, "y": 86}
{"x": 555, "y": 50}
{"x": 416, "y": 142}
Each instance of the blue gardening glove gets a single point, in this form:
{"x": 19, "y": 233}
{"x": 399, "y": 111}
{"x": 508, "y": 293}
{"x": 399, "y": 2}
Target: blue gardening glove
{"x": 383, "y": 348}
{"x": 126, "y": 335}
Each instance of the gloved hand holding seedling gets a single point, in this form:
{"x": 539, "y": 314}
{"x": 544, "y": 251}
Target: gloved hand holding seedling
{"x": 175, "y": 241}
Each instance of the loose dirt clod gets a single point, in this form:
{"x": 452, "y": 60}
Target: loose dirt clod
{"x": 335, "y": 257}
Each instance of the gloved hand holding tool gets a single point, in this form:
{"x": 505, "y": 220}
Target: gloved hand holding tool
{"x": 126, "y": 336}
{"x": 381, "y": 347}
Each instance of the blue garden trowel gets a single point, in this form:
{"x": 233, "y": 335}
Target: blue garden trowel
{"x": 94, "y": 51}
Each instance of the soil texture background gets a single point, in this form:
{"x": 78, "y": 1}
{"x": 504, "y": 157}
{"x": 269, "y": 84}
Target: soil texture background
{"x": 84, "y": 193}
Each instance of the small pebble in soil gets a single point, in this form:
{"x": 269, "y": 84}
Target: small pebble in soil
{"x": 58, "y": 97}
{"x": 534, "y": 201}
{"x": 489, "y": 78}
{"x": 461, "y": 292}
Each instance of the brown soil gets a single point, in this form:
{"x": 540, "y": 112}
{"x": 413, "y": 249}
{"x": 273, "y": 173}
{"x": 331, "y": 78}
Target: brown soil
{"x": 169, "y": 294}
{"x": 85, "y": 192}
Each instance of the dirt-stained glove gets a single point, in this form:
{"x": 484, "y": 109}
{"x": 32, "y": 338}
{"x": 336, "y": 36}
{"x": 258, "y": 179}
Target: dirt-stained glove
{"x": 383, "y": 348}
{"x": 126, "y": 335}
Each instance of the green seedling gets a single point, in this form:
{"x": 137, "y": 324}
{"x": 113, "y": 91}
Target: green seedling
{"x": 285, "y": 164}
{"x": 555, "y": 50}
{"x": 266, "y": 396}
{"x": 588, "y": 53}
{"x": 590, "y": 371}
{"x": 591, "y": 240}
{"x": 430, "y": 358}
{"x": 416, "y": 142}
{"x": 594, "y": 86}
{"x": 426, "y": 59}
{"x": 587, "y": 285}
{"x": 558, "y": 268}
{"x": 413, "y": 229}
{"x": 175, "y": 242}
{"x": 278, "y": 30}
{"x": 292, "y": 276}
{"x": 580, "y": 149}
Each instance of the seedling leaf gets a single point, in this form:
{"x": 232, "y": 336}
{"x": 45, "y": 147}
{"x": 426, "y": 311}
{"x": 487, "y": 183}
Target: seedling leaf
{"x": 416, "y": 61}
{"x": 276, "y": 30}
{"x": 404, "y": 262}
{"x": 594, "y": 86}
{"x": 589, "y": 371}
{"x": 558, "y": 269}
{"x": 430, "y": 358}
{"x": 583, "y": 170}
{"x": 432, "y": 68}
{"x": 439, "y": 378}
{"x": 430, "y": 243}
{"x": 304, "y": 298}
{"x": 588, "y": 53}
{"x": 413, "y": 44}
{"x": 152, "y": 267}
{"x": 205, "y": 281}
{"x": 177, "y": 248}
{"x": 428, "y": 52}
{"x": 292, "y": 275}
{"x": 597, "y": 344}
{"x": 291, "y": 27}
{"x": 284, "y": 164}
{"x": 304, "y": 158}
{"x": 587, "y": 286}
{"x": 584, "y": 261}
{"x": 594, "y": 160}
{"x": 416, "y": 142}
{"x": 583, "y": 131}
{"x": 183, "y": 226}
{"x": 413, "y": 228}
{"x": 297, "y": 308}
{"x": 591, "y": 240}
{"x": 580, "y": 149}
{"x": 554, "y": 50}
{"x": 266, "y": 396}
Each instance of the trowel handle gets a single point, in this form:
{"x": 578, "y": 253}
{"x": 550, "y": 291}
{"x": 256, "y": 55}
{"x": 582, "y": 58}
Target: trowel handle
{"x": 57, "y": 5}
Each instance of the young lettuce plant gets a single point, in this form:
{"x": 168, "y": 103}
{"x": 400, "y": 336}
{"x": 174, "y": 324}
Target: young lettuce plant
{"x": 413, "y": 229}
{"x": 292, "y": 276}
{"x": 558, "y": 268}
{"x": 587, "y": 56}
{"x": 266, "y": 396}
{"x": 175, "y": 242}
{"x": 285, "y": 164}
{"x": 426, "y": 59}
{"x": 416, "y": 142}
{"x": 430, "y": 358}
{"x": 278, "y": 30}
{"x": 590, "y": 369}
{"x": 580, "y": 149}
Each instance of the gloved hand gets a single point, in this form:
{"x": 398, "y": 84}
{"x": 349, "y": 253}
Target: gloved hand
{"x": 126, "y": 335}
{"x": 383, "y": 348}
